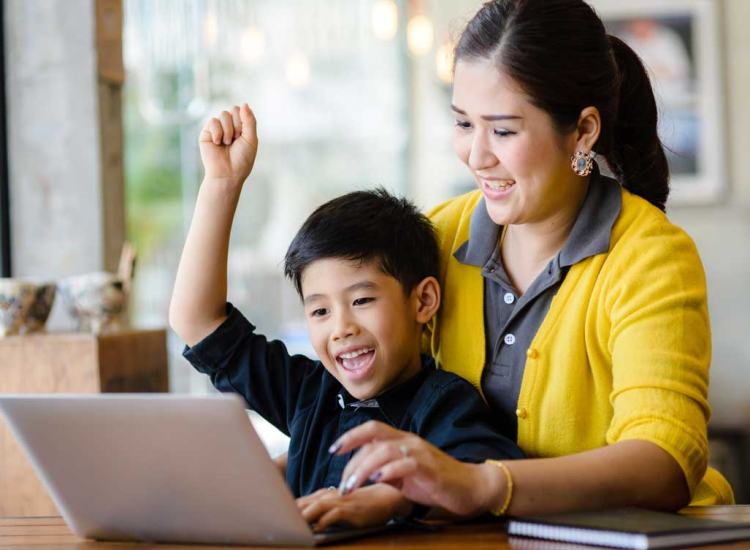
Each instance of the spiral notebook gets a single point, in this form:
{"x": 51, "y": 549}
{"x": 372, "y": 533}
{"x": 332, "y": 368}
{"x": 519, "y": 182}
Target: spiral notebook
{"x": 633, "y": 528}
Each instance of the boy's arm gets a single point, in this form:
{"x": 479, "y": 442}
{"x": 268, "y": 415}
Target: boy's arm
{"x": 458, "y": 421}
{"x": 228, "y": 146}
{"x": 271, "y": 380}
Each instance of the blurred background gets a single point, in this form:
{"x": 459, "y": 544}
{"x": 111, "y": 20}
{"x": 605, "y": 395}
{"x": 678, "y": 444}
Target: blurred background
{"x": 104, "y": 101}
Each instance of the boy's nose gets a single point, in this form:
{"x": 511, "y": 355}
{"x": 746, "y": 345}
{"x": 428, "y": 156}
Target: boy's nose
{"x": 344, "y": 327}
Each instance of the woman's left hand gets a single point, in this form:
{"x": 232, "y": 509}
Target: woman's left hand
{"x": 422, "y": 472}
{"x": 365, "y": 507}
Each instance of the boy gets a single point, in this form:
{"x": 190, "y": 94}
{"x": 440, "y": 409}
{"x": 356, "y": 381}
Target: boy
{"x": 365, "y": 267}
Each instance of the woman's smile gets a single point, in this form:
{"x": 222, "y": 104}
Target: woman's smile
{"x": 497, "y": 189}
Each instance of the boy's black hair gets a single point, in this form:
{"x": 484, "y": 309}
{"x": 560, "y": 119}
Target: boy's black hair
{"x": 365, "y": 226}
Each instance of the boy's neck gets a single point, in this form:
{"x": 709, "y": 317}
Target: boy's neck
{"x": 409, "y": 372}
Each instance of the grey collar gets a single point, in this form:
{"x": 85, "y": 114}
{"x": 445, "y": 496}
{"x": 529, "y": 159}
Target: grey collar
{"x": 590, "y": 234}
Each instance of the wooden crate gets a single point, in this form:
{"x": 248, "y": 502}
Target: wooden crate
{"x": 126, "y": 361}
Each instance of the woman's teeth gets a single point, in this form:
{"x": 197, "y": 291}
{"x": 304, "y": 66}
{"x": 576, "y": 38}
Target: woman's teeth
{"x": 500, "y": 184}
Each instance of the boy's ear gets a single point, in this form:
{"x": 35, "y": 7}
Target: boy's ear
{"x": 427, "y": 299}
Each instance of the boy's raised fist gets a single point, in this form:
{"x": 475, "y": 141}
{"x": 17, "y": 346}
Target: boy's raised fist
{"x": 229, "y": 144}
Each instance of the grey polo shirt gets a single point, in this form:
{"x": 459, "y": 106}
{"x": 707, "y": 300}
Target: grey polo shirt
{"x": 511, "y": 320}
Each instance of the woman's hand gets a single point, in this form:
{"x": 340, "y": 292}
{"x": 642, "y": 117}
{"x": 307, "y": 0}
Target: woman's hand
{"x": 422, "y": 472}
{"x": 365, "y": 507}
{"x": 229, "y": 145}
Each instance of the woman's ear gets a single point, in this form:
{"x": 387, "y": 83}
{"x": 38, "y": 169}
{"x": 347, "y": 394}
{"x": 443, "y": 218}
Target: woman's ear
{"x": 588, "y": 129}
{"x": 426, "y": 299}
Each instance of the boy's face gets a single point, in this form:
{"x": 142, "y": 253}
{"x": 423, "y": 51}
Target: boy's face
{"x": 362, "y": 326}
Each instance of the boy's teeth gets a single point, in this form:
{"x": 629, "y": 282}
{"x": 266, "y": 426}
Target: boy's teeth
{"x": 355, "y": 361}
{"x": 354, "y": 354}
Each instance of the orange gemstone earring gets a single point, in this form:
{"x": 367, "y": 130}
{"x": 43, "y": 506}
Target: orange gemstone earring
{"x": 582, "y": 163}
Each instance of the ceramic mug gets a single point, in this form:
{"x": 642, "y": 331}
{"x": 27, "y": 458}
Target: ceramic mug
{"x": 41, "y": 306}
{"x": 95, "y": 300}
{"x": 15, "y": 300}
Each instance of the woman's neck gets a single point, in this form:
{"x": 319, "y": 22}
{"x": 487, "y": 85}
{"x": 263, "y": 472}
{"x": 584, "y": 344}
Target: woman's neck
{"x": 527, "y": 248}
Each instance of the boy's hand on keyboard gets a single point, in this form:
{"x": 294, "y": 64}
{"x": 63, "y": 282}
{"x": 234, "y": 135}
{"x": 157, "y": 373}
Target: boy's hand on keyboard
{"x": 229, "y": 144}
{"x": 365, "y": 507}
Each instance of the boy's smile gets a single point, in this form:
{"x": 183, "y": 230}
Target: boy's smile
{"x": 363, "y": 327}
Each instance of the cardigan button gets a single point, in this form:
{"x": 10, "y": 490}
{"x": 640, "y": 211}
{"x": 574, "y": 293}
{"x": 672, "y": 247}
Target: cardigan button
{"x": 521, "y": 413}
{"x": 531, "y": 353}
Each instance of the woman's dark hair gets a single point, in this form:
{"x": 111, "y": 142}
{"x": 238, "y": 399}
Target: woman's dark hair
{"x": 562, "y": 57}
{"x": 366, "y": 226}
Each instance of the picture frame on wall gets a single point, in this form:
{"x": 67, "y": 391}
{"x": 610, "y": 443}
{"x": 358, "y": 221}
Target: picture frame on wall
{"x": 679, "y": 42}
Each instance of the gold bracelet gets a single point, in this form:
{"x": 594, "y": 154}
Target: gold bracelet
{"x": 509, "y": 494}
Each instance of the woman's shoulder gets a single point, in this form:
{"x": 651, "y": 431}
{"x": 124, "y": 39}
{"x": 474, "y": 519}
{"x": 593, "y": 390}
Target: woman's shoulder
{"x": 452, "y": 219}
{"x": 644, "y": 240}
{"x": 455, "y": 209}
{"x": 640, "y": 221}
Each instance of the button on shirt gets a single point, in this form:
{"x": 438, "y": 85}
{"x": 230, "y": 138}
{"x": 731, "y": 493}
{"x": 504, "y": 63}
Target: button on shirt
{"x": 298, "y": 396}
{"x": 511, "y": 321}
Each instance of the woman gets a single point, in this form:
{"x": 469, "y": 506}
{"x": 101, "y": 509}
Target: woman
{"x": 570, "y": 300}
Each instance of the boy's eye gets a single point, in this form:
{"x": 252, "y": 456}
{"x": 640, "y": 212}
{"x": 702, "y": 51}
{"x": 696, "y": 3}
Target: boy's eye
{"x": 319, "y": 312}
{"x": 363, "y": 301}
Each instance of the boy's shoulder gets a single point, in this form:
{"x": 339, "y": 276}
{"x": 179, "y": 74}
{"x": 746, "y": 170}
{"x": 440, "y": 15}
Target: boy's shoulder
{"x": 439, "y": 385}
{"x": 444, "y": 380}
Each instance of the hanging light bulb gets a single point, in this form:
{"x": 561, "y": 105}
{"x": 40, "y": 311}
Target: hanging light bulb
{"x": 298, "y": 69}
{"x": 211, "y": 30}
{"x": 419, "y": 35}
{"x": 253, "y": 45}
{"x": 444, "y": 61}
{"x": 385, "y": 19}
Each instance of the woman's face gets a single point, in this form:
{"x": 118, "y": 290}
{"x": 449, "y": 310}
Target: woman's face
{"x": 518, "y": 159}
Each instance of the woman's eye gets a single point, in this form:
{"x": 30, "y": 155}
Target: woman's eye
{"x": 363, "y": 301}
{"x": 462, "y": 124}
{"x": 502, "y": 133}
{"x": 319, "y": 312}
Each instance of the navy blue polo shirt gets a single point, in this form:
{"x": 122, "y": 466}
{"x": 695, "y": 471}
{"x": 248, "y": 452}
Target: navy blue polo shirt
{"x": 298, "y": 396}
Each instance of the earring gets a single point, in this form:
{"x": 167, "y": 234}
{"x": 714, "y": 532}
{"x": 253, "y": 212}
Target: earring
{"x": 582, "y": 163}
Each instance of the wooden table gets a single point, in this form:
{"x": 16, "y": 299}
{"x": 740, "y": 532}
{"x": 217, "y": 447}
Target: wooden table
{"x": 51, "y": 532}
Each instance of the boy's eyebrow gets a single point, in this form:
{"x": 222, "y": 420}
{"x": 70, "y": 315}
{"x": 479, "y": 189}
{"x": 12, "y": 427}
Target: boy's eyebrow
{"x": 360, "y": 285}
{"x": 488, "y": 118}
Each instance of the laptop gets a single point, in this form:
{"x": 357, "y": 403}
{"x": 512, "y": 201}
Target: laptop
{"x": 159, "y": 468}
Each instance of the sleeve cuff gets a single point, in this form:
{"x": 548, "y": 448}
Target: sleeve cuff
{"x": 208, "y": 355}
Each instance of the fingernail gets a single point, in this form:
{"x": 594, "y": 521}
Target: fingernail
{"x": 376, "y": 476}
{"x": 350, "y": 483}
{"x": 333, "y": 449}
{"x": 342, "y": 487}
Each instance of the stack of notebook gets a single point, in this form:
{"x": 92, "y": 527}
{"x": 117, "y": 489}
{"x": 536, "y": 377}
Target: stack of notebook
{"x": 629, "y": 528}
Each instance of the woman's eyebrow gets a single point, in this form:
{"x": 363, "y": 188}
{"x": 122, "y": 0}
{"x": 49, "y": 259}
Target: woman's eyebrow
{"x": 488, "y": 118}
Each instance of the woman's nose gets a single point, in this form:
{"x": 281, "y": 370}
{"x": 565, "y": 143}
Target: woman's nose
{"x": 481, "y": 156}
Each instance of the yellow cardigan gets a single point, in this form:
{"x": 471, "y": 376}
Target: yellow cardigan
{"x": 623, "y": 352}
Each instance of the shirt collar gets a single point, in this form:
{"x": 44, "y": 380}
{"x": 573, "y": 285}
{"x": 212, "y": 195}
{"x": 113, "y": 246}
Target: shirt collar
{"x": 590, "y": 234}
{"x": 483, "y": 238}
{"x": 593, "y": 228}
{"x": 395, "y": 401}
